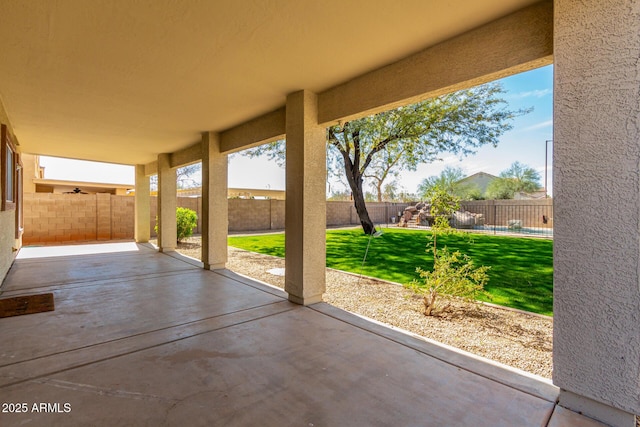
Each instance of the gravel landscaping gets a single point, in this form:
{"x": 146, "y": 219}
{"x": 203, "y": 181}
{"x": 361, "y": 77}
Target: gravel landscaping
{"x": 517, "y": 339}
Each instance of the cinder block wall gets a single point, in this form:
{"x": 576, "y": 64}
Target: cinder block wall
{"x": 79, "y": 217}
{"x": 122, "y": 214}
{"x": 244, "y": 214}
{"x": 339, "y": 213}
{"x": 277, "y": 214}
{"x": 103, "y": 216}
{"x": 250, "y": 214}
{"x": 50, "y": 218}
{"x": 344, "y": 213}
{"x": 59, "y": 217}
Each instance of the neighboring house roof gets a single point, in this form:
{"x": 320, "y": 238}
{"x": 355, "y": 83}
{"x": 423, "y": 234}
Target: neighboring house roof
{"x": 241, "y": 193}
{"x": 35, "y": 181}
{"x": 43, "y": 185}
{"x": 480, "y": 179}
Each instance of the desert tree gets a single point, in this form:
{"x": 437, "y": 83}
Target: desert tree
{"x": 518, "y": 177}
{"x": 380, "y": 146}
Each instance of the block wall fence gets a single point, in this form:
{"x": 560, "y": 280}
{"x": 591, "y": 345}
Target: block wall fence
{"x": 260, "y": 214}
{"x": 50, "y": 218}
{"x": 76, "y": 217}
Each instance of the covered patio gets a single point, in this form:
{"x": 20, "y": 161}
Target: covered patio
{"x": 163, "y": 84}
{"x": 140, "y": 337}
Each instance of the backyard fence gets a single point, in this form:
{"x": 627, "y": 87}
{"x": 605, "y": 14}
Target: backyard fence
{"x": 522, "y": 217}
{"x": 526, "y": 217}
{"x": 52, "y": 217}
{"x": 83, "y": 217}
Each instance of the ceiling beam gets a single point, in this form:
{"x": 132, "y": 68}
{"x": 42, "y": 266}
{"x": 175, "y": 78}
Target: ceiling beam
{"x": 515, "y": 43}
{"x": 186, "y": 156}
{"x": 518, "y": 42}
{"x": 260, "y": 130}
{"x": 151, "y": 168}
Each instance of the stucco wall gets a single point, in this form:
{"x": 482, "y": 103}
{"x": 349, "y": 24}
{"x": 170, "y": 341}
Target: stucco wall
{"x": 597, "y": 200}
{"x": 8, "y": 242}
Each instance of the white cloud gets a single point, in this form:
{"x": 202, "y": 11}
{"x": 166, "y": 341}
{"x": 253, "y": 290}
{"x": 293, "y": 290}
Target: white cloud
{"x": 541, "y": 125}
{"x": 537, "y": 93}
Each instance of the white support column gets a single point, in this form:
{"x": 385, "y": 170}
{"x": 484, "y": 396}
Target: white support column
{"x": 167, "y": 202}
{"x": 142, "y": 227}
{"x": 215, "y": 205}
{"x": 305, "y": 211}
{"x": 596, "y": 351}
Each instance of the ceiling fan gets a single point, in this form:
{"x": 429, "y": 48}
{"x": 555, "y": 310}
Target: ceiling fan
{"x": 75, "y": 191}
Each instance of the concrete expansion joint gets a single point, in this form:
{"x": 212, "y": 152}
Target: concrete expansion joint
{"x": 598, "y": 411}
{"x": 550, "y": 414}
{"x": 142, "y": 348}
{"x": 507, "y": 376}
{"x": 184, "y": 258}
{"x": 98, "y": 282}
{"x": 263, "y": 286}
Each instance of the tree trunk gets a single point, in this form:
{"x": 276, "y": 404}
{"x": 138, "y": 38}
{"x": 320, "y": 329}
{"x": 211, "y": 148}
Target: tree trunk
{"x": 361, "y": 209}
{"x": 354, "y": 178}
{"x": 430, "y": 302}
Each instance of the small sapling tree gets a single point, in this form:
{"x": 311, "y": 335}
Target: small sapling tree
{"x": 453, "y": 273}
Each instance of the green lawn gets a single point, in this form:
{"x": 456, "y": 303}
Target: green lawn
{"x": 521, "y": 274}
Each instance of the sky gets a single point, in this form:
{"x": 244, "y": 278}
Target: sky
{"x": 524, "y": 143}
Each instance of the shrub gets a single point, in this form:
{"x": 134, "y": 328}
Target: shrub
{"x": 186, "y": 221}
{"x": 453, "y": 272}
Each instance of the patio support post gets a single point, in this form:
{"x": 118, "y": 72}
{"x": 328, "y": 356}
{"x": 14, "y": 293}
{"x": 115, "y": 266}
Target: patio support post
{"x": 305, "y": 206}
{"x": 596, "y": 348}
{"x": 142, "y": 220}
{"x": 167, "y": 202}
{"x": 215, "y": 205}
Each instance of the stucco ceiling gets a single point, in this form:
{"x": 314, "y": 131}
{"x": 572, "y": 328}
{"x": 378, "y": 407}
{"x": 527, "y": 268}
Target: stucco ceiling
{"x": 121, "y": 81}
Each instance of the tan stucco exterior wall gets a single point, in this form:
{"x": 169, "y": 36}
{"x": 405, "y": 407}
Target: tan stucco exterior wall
{"x": 30, "y": 166}
{"x": 9, "y": 245}
{"x": 305, "y": 208}
{"x": 142, "y": 220}
{"x": 597, "y": 201}
{"x": 167, "y": 231}
{"x": 215, "y": 212}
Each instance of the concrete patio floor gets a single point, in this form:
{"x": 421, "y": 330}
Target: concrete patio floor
{"x": 143, "y": 338}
